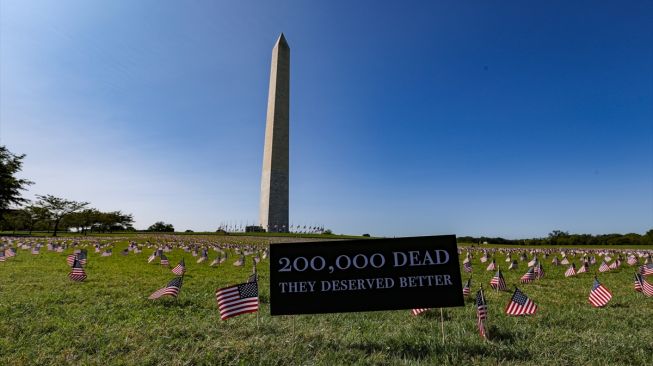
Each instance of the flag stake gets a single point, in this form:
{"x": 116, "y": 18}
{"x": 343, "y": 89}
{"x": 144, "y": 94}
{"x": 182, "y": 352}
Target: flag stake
{"x": 442, "y": 323}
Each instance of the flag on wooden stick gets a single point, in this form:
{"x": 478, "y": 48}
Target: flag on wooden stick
{"x": 529, "y": 276}
{"x": 467, "y": 265}
{"x": 481, "y": 312}
{"x": 599, "y": 295}
{"x": 642, "y": 286}
{"x": 467, "y": 289}
{"x": 520, "y": 304}
{"x": 70, "y": 259}
{"x": 646, "y": 270}
{"x": 180, "y": 268}
{"x": 172, "y": 289}
{"x": 416, "y": 312}
{"x": 77, "y": 273}
{"x": 492, "y": 266}
{"x": 237, "y": 299}
{"x": 571, "y": 271}
{"x": 498, "y": 282}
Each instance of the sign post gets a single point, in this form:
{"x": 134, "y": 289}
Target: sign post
{"x": 364, "y": 275}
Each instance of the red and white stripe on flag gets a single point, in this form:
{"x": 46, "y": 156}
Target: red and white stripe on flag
{"x": 416, "y": 312}
{"x": 238, "y": 299}
{"x": 599, "y": 295}
{"x": 520, "y": 304}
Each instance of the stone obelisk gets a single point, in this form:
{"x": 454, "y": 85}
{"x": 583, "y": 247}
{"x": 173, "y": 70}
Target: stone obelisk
{"x": 273, "y": 214}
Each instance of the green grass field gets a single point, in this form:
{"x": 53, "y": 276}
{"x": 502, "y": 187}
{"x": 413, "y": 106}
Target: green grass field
{"x": 46, "y": 319}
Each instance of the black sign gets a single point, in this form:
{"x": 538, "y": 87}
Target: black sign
{"x": 364, "y": 275}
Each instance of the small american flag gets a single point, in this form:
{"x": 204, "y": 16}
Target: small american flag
{"x": 529, "y": 276}
{"x": 564, "y": 261}
{"x": 481, "y": 313}
{"x": 215, "y": 262}
{"x": 467, "y": 266}
{"x": 513, "y": 265}
{"x": 180, "y": 268}
{"x": 77, "y": 273}
{"x": 599, "y": 295}
{"x": 152, "y": 257}
{"x": 164, "y": 260}
{"x": 616, "y": 264}
{"x": 638, "y": 282}
{"x": 497, "y": 282}
{"x": 2, "y": 255}
{"x": 70, "y": 259}
{"x": 555, "y": 261}
{"x": 492, "y": 266}
{"x": 520, "y": 304}
{"x": 646, "y": 270}
{"x": 467, "y": 289}
{"x": 416, "y": 312}
{"x": 632, "y": 260}
{"x": 642, "y": 286}
{"x": 583, "y": 268}
{"x": 539, "y": 271}
{"x": 237, "y": 299}
{"x": 172, "y": 289}
{"x": 571, "y": 271}
{"x": 604, "y": 267}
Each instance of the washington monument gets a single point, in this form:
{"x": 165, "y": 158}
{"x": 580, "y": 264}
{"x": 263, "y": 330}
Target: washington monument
{"x": 273, "y": 214}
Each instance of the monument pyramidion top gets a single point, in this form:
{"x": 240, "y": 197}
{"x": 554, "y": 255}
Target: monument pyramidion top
{"x": 281, "y": 42}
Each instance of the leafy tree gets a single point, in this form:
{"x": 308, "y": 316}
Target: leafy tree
{"x": 82, "y": 220}
{"x": 10, "y": 186}
{"x": 648, "y": 237}
{"x": 33, "y": 214}
{"x": 115, "y": 220}
{"x": 161, "y": 227}
{"x": 57, "y": 208}
{"x": 14, "y": 219}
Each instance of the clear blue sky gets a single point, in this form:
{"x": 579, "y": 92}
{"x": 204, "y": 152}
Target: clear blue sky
{"x": 474, "y": 118}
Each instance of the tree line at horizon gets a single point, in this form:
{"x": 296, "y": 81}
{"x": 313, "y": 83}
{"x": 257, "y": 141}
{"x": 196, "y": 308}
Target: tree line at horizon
{"x": 51, "y": 213}
{"x": 558, "y": 237}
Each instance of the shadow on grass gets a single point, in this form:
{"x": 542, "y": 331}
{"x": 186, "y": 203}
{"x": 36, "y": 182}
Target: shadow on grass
{"x": 619, "y": 305}
{"x": 170, "y": 303}
{"x": 498, "y": 334}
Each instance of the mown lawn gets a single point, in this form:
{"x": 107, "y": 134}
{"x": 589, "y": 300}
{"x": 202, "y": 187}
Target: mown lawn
{"x": 49, "y": 320}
